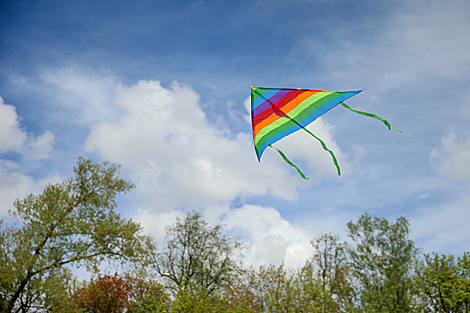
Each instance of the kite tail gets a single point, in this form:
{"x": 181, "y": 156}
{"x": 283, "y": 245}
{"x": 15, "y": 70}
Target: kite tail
{"x": 280, "y": 113}
{"x": 290, "y": 163}
{"x": 371, "y": 115}
{"x": 326, "y": 149}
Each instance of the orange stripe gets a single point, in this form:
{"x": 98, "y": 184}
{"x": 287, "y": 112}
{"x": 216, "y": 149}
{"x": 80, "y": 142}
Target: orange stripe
{"x": 265, "y": 122}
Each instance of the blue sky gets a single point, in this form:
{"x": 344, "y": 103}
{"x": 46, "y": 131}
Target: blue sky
{"x": 162, "y": 88}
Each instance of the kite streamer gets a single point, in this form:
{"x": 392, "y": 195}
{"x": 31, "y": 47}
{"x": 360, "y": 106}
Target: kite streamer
{"x": 279, "y": 112}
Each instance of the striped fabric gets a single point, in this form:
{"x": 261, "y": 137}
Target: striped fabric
{"x": 278, "y": 112}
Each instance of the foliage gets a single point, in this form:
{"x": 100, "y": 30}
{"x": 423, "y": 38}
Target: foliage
{"x": 231, "y": 300}
{"x": 70, "y": 223}
{"x": 118, "y": 293}
{"x": 382, "y": 260}
{"x": 196, "y": 301}
{"x": 48, "y": 291}
{"x": 278, "y": 290}
{"x": 444, "y": 285}
{"x": 329, "y": 267}
{"x": 241, "y": 299}
{"x": 74, "y": 224}
{"x": 146, "y": 294}
{"x": 105, "y": 294}
{"x": 198, "y": 256}
{"x": 135, "y": 294}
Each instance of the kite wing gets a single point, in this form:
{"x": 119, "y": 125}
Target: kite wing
{"x": 279, "y": 112}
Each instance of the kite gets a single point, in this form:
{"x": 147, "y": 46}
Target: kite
{"x": 279, "y": 112}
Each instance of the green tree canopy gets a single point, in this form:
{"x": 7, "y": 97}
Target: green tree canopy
{"x": 328, "y": 265}
{"x": 382, "y": 259}
{"x": 198, "y": 256}
{"x": 443, "y": 283}
{"x": 70, "y": 223}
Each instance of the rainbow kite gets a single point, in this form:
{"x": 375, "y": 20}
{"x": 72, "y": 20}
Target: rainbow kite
{"x": 278, "y": 112}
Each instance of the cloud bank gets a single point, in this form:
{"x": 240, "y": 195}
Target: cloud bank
{"x": 177, "y": 156}
{"x": 177, "y": 159}
{"x": 453, "y": 157}
{"x": 13, "y": 138}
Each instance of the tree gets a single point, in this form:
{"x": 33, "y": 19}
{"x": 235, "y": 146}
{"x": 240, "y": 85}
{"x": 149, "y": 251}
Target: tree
{"x": 231, "y": 300}
{"x": 276, "y": 289}
{"x": 241, "y": 299}
{"x": 329, "y": 266}
{"x": 198, "y": 256}
{"x": 197, "y": 301}
{"x": 382, "y": 260}
{"x": 104, "y": 294}
{"x": 70, "y": 223}
{"x": 279, "y": 291}
{"x": 146, "y": 294}
{"x": 444, "y": 284}
{"x": 127, "y": 292}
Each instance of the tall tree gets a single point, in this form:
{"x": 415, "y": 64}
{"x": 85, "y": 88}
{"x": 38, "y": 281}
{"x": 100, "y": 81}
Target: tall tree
{"x": 444, "y": 284}
{"x": 382, "y": 259}
{"x": 70, "y": 223}
{"x": 147, "y": 295}
{"x": 276, "y": 289}
{"x": 329, "y": 266}
{"x": 198, "y": 256}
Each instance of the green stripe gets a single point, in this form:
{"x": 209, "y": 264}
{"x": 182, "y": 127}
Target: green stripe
{"x": 285, "y": 123}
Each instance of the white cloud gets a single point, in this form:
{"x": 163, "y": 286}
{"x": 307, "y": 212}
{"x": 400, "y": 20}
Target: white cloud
{"x": 302, "y": 145}
{"x": 420, "y": 46}
{"x": 453, "y": 157}
{"x": 14, "y": 138}
{"x": 39, "y": 148}
{"x": 85, "y": 94}
{"x": 154, "y": 223}
{"x": 247, "y": 105}
{"x": 177, "y": 158}
{"x": 272, "y": 238}
{"x": 15, "y": 185}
